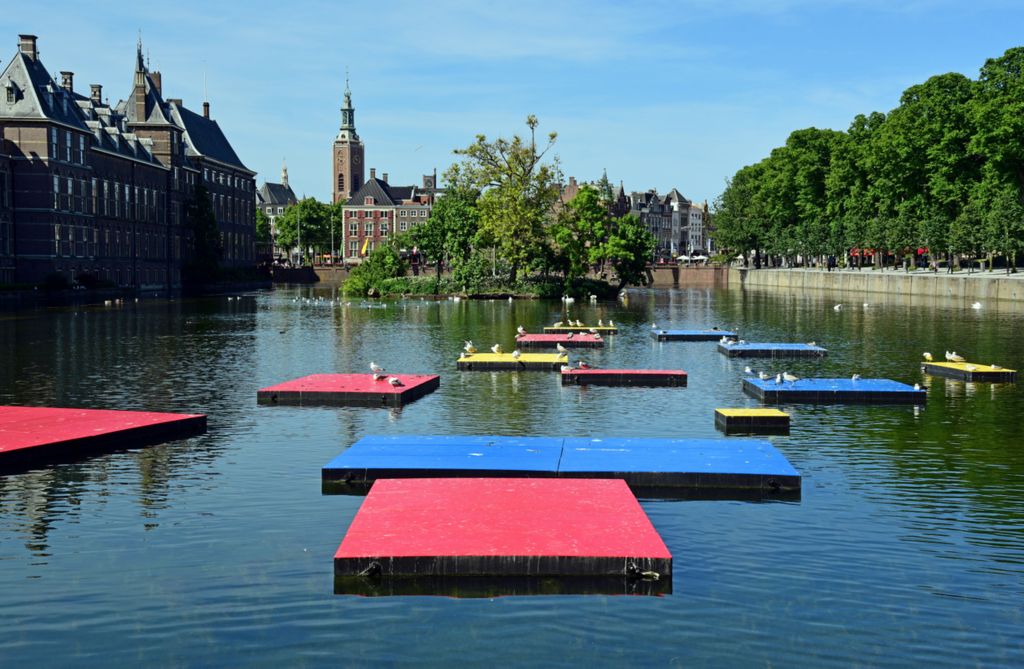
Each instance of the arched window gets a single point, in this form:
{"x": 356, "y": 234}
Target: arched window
{"x": 341, "y": 182}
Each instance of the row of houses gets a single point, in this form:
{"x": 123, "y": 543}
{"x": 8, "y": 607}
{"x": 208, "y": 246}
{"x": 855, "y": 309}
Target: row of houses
{"x": 99, "y": 190}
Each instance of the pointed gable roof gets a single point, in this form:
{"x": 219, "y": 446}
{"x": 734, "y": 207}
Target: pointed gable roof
{"x": 376, "y": 189}
{"x": 204, "y": 138}
{"x": 272, "y": 193}
{"x": 37, "y": 95}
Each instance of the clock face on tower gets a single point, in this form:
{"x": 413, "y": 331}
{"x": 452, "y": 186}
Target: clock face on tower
{"x": 355, "y": 159}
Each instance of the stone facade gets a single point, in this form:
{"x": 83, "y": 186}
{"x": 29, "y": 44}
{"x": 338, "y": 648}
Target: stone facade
{"x": 102, "y": 191}
{"x": 274, "y": 199}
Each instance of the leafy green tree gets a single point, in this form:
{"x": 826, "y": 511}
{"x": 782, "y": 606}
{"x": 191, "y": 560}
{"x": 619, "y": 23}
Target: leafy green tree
{"x": 999, "y": 115}
{"x": 383, "y": 263}
{"x": 629, "y": 248}
{"x": 313, "y": 217}
{"x": 449, "y": 234}
{"x": 262, "y": 227}
{"x": 518, "y": 192}
{"x": 739, "y": 220}
{"x": 207, "y": 250}
{"x": 580, "y": 233}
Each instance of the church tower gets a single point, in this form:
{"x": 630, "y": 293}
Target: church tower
{"x": 348, "y": 153}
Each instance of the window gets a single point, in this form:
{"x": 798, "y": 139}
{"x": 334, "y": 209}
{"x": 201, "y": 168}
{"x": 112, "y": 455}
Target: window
{"x": 206, "y": 174}
{"x": 280, "y": 210}
{"x": 403, "y": 225}
{"x": 383, "y": 229}
{"x": 369, "y": 228}
{"x": 53, "y": 143}
{"x": 341, "y": 182}
{"x": 56, "y": 191}
{"x": 67, "y": 146}
{"x": 353, "y": 247}
{"x": 12, "y": 95}
{"x": 353, "y": 228}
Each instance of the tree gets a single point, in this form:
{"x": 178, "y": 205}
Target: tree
{"x": 629, "y": 247}
{"x": 262, "y": 227}
{"x": 999, "y": 115}
{"x": 207, "y": 250}
{"x": 384, "y": 262}
{"x": 448, "y": 235}
{"x": 580, "y": 233}
{"x": 517, "y": 189}
{"x": 314, "y": 219}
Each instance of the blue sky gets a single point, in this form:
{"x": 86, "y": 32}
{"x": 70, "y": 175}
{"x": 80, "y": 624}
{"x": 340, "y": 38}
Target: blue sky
{"x": 662, "y": 94}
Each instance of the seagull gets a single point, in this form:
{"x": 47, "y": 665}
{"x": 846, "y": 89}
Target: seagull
{"x": 557, "y": 324}
{"x": 970, "y": 368}
{"x": 976, "y": 305}
{"x": 811, "y": 343}
{"x": 927, "y": 356}
{"x": 838, "y": 307}
{"x": 778, "y": 378}
{"x": 855, "y": 377}
{"x": 469, "y": 347}
{"x": 516, "y": 354}
{"x": 593, "y": 331}
{"x": 583, "y": 365}
{"x": 561, "y": 349}
{"x": 566, "y": 368}
{"x": 610, "y": 323}
{"x": 599, "y": 323}
{"x": 654, "y": 326}
{"x": 593, "y": 298}
{"x": 377, "y": 376}
{"x": 375, "y": 368}
{"x": 917, "y": 386}
{"x": 569, "y": 335}
{"x": 956, "y": 358}
{"x": 748, "y": 370}
{"x": 866, "y": 305}
{"x": 724, "y": 340}
{"x": 949, "y": 356}
{"x": 786, "y": 376}
{"x": 994, "y": 366}
{"x": 510, "y": 299}
{"x": 521, "y": 330}
{"x": 763, "y": 376}
{"x": 394, "y": 380}
{"x": 496, "y": 348}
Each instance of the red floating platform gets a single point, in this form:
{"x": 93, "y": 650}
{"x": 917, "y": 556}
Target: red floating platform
{"x": 502, "y": 527}
{"x": 624, "y": 377}
{"x": 552, "y": 340}
{"x": 37, "y": 435}
{"x": 350, "y": 389}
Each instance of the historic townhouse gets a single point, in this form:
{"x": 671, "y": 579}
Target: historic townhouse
{"x": 102, "y": 192}
{"x": 273, "y": 199}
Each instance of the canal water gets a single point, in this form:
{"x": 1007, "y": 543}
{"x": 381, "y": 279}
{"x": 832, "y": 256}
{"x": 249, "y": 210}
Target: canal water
{"x": 906, "y": 548}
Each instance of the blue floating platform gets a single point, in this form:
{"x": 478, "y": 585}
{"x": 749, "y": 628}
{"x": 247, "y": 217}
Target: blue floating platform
{"x": 834, "y": 391}
{"x": 691, "y": 335}
{"x": 771, "y": 350}
{"x": 713, "y": 466}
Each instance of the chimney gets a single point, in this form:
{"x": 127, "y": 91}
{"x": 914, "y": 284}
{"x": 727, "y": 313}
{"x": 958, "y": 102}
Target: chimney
{"x": 96, "y": 93}
{"x": 373, "y": 172}
{"x": 67, "y": 81}
{"x": 385, "y": 179}
{"x": 206, "y": 110}
{"x": 157, "y": 81}
{"x": 174, "y": 101}
{"x": 27, "y": 45}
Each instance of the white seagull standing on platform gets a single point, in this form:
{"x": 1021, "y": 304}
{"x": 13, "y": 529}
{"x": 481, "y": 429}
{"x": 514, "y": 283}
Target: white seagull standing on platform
{"x": 521, "y": 330}
{"x": 599, "y": 323}
{"x": 763, "y": 376}
{"x": 561, "y": 349}
{"x": 748, "y": 370}
{"x": 377, "y": 376}
{"x": 786, "y": 376}
{"x": 375, "y": 368}
{"x": 496, "y": 348}
{"x": 611, "y": 323}
{"x": 927, "y": 356}
{"x": 855, "y": 377}
{"x": 394, "y": 380}
{"x": 516, "y": 354}
{"x": 469, "y": 348}
{"x": 956, "y": 358}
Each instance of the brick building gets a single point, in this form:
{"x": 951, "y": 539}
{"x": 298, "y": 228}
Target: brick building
{"x": 347, "y": 154}
{"x": 102, "y": 191}
{"x": 378, "y": 210}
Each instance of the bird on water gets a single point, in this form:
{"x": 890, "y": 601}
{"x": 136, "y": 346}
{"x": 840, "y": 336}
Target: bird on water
{"x": 838, "y": 307}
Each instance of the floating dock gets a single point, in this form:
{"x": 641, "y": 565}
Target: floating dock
{"x": 552, "y": 340}
{"x": 532, "y": 528}
{"x": 691, "y": 335}
{"x": 565, "y": 329}
{"x": 484, "y": 362}
{"x": 834, "y": 391}
{"x": 771, "y": 350}
{"x": 624, "y": 377}
{"x": 970, "y": 371}
{"x": 350, "y": 390}
{"x": 32, "y": 436}
{"x": 752, "y": 421}
{"x": 647, "y": 465}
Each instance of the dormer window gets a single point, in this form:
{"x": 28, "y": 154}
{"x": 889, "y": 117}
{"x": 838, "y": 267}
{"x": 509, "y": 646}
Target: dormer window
{"x": 368, "y": 201}
{"x": 12, "y": 93}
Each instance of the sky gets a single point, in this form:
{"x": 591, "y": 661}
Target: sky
{"x": 660, "y": 94}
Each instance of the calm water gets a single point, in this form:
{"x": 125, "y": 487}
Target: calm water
{"x": 906, "y": 548}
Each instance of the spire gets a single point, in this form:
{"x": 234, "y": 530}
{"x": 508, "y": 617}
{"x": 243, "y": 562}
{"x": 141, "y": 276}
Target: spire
{"x": 284, "y": 173}
{"x": 139, "y": 65}
{"x": 348, "y": 116}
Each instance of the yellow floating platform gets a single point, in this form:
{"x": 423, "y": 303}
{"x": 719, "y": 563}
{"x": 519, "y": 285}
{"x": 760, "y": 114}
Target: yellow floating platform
{"x": 505, "y": 361}
{"x": 970, "y": 371}
{"x": 565, "y": 329}
{"x": 752, "y": 421}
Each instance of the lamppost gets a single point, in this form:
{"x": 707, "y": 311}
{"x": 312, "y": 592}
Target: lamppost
{"x": 332, "y": 237}
{"x": 298, "y": 213}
